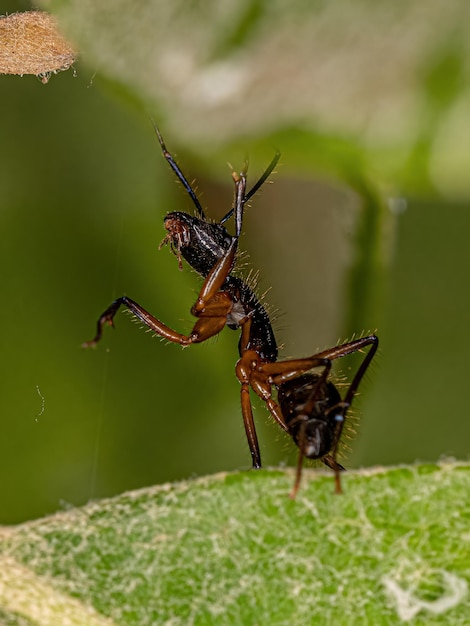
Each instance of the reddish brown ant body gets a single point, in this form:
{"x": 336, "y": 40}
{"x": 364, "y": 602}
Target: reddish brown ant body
{"x": 309, "y": 407}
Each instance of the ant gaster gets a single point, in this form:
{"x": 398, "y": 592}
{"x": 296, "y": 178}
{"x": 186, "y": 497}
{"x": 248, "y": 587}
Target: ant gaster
{"x": 309, "y": 407}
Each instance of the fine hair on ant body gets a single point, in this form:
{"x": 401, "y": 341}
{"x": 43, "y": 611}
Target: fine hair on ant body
{"x": 309, "y": 407}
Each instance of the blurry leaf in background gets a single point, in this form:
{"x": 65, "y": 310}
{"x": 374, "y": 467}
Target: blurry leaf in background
{"x": 372, "y": 98}
{"x": 381, "y": 75}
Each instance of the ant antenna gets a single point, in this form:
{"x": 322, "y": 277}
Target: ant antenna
{"x": 174, "y": 166}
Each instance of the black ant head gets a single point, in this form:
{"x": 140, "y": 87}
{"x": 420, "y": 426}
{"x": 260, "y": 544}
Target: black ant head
{"x": 199, "y": 242}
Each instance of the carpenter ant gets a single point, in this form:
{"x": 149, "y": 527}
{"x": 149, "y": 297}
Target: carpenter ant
{"x": 309, "y": 407}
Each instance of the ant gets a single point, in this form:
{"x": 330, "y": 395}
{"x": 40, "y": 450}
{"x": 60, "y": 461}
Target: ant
{"x": 309, "y": 407}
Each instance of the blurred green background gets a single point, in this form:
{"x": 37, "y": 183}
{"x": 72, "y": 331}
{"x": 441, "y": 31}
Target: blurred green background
{"x": 365, "y": 227}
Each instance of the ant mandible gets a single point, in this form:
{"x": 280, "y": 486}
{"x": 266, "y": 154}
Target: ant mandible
{"x": 309, "y": 407}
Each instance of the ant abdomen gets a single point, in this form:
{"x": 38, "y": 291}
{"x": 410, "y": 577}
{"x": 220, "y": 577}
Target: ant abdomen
{"x": 308, "y": 405}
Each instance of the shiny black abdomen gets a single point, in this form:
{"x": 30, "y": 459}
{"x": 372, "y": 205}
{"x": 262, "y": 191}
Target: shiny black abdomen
{"x": 316, "y": 425}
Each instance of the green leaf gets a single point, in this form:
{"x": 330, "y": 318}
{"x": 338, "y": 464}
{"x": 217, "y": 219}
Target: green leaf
{"x": 234, "y": 549}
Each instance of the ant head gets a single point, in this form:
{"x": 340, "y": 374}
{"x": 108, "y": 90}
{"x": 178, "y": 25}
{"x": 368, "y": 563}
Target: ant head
{"x": 178, "y": 234}
{"x": 199, "y": 242}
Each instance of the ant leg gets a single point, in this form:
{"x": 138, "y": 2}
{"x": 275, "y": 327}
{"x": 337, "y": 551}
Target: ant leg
{"x": 248, "y": 369}
{"x": 107, "y": 319}
{"x": 215, "y": 279}
{"x": 330, "y": 462}
{"x": 350, "y": 347}
{"x": 244, "y": 371}
{"x": 211, "y": 307}
{"x": 298, "y": 475}
{"x": 249, "y": 424}
{"x": 353, "y": 346}
{"x": 373, "y": 341}
{"x": 210, "y": 323}
{"x": 281, "y": 371}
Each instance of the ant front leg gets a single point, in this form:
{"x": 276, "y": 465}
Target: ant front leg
{"x": 211, "y": 307}
{"x": 107, "y": 319}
